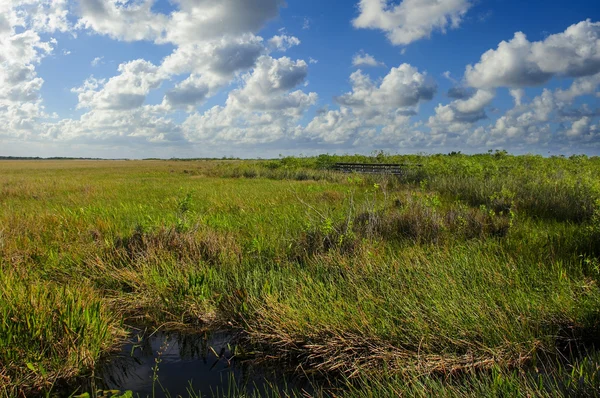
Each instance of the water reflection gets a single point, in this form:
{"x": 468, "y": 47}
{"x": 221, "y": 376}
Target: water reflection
{"x": 175, "y": 364}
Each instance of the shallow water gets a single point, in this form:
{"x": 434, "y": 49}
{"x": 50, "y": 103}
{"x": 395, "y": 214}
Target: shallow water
{"x": 203, "y": 364}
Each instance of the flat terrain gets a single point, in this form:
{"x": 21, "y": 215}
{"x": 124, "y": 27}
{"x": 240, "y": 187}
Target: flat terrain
{"x": 466, "y": 276}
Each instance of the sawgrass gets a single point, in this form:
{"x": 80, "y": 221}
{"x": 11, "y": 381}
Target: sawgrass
{"x": 459, "y": 278}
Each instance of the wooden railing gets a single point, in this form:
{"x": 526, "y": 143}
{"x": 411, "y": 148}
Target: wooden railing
{"x": 373, "y": 168}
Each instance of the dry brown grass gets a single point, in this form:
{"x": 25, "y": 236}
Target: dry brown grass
{"x": 203, "y": 245}
{"x": 350, "y": 354}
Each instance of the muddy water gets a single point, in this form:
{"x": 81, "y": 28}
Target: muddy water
{"x": 176, "y": 364}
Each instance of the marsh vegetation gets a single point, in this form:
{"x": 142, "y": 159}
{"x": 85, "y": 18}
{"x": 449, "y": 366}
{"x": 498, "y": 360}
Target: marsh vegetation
{"x": 466, "y": 276}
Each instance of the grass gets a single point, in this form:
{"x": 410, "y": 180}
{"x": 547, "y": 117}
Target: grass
{"x": 467, "y": 276}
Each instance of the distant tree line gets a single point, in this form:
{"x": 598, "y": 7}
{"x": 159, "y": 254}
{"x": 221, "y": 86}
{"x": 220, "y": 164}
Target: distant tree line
{"x": 50, "y": 158}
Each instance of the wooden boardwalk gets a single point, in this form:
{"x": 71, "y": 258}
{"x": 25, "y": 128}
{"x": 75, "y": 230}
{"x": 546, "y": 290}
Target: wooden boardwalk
{"x": 373, "y": 168}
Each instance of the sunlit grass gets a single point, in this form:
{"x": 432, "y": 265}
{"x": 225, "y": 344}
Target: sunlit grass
{"x": 456, "y": 279}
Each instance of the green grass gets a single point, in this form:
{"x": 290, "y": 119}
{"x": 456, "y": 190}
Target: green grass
{"x": 460, "y": 278}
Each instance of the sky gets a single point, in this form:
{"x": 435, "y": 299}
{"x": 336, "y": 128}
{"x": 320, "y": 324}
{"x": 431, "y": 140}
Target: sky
{"x": 269, "y": 78}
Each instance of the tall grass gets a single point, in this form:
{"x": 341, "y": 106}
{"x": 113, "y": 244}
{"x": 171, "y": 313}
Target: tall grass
{"x": 50, "y": 333}
{"x": 455, "y": 279}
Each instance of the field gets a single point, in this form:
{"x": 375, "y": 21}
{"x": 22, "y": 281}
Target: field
{"x": 467, "y": 276}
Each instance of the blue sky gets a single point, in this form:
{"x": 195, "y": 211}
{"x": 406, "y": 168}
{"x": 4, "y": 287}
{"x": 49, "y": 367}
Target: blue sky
{"x": 259, "y": 78}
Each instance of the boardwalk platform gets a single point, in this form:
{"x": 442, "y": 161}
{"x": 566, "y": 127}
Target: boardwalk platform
{"x": 373, "y": 168}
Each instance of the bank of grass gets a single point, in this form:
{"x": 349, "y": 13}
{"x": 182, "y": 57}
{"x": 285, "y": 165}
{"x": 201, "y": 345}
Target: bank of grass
{"x": 462, "y": 276}
{"x": 49, "y": 332}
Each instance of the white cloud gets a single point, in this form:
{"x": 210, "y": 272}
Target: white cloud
{"x": 42, "y": 16}
{"x": 119, "y": 20}
{"x": 403, "y": 87}
{"x": 193, "y": 22}
{"x": 263, "y": 110}
{"x": 375, "y": 115}
{"x": 461, "y": 113}
{"x": 218, "y": 61}
{"x": 528, "y": 123}
{"x": 125, "y": 91}
{"x": 334, "y": 127}
{"x": 97, "y": 61}
{"x": 267, "y": 91}
{"x": 580, "y": 86}
{"x": 517, "y": 94}
{"x": 189, "y": 93}
{"x": 21, "y": 50}
{"x": 584, "y": 130}
{"x": 364, "y": 59}
{"x": 215, "y": 42}
{"x": 145, "y": 125}
{"x": 270, "y": 77}
{"x": 410, "y": 20}
{"x": 547, "y": 121}
{"x": 306, "y": 24}
{"x": 210, "y": 20}
{"x": 283, "y": 42}
{"x": 520, "y": 63}
{"x": 448, "y": 76}
{"x": 215, "y": 46}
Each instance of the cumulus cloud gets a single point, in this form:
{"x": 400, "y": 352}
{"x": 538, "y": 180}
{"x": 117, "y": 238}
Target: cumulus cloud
{"x": 283, "y": 42}
{"x": 43, "y": 16}
{"x": 375, "y": 114}
{"x": 210, "y": 65}
{"x": 216, "y": 46}
{"x": 344, "y": 128}
{"x": 222, "y": 57}
{"x": 273, "y": 76}
{"x": 192, "y": 22}
{"x": 583, "y": 130}
{"x": 209, "y": 20}
{"x": 528, "y": 123}
{"x": 364, "y": 59}
{"x": 124, "y": 21}
{"x": 410, "y": 20}
{"x": 566, "y": 112}
{"x": 551, "y": 120}
{"x": 460, "y": 93}
{"x": 334, "y": 127}
{"x": 187, "y": 94}
{"x": 145, "y": 125}
{"x": 517, "y": 94}
{"x": 263, "y": 110}
{"x": 517, "y": 64}
{"x": 126, "y": 91}
{"x": 215, "y": 43}
{"x": 461, "y": 113}
{"x": 520, "y": 63}
{"x": 545, "y": 121}
{"x": 19, "y": 54}
{"x": 580, "y": 86}
{"x": 22, "y": 22}
{"x": 402, "y": 87}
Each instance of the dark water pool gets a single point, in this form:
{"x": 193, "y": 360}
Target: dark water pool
{"x": 175, "y": 364}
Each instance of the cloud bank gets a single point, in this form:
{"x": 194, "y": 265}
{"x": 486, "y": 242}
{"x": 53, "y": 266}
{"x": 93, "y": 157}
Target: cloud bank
{"x": 268, "y": 103}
